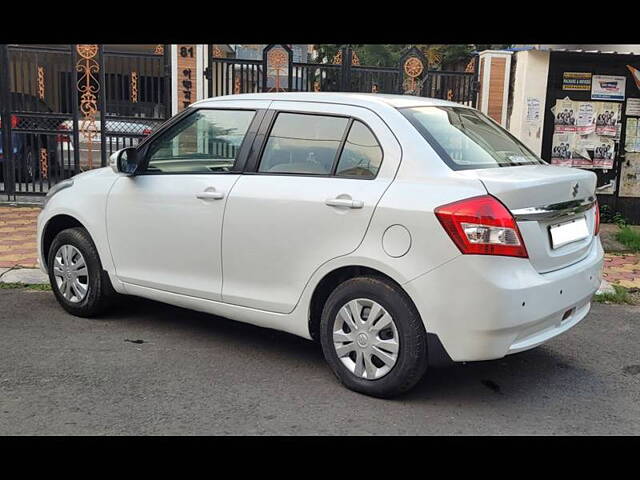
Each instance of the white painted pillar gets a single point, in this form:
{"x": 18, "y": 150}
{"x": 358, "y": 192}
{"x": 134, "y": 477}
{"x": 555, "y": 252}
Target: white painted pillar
{"x": 197, "y": 64}
{"x": 530, "y": 87}
{"x": 174, "y": 79}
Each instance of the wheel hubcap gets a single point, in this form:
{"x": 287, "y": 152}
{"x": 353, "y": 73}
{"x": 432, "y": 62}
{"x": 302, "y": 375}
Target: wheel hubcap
{"x": 71, "y": 274}
{"x": 366, "y": 339}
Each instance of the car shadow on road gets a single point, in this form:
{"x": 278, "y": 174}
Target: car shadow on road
{"x": 534, "y": 373}
{"x": 218, "y": 329}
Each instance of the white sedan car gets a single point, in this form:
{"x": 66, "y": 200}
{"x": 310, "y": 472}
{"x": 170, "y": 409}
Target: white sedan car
{"x": 397, "y": 231}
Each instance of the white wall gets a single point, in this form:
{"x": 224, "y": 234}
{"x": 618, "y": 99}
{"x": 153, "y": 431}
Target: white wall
{"x": 531, "y": 72}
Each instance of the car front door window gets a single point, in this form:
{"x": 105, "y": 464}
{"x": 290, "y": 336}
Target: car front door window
{"x": 207, "y": 141}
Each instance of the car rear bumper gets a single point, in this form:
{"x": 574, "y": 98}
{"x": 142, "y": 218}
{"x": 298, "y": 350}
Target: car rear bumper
{"x": 486, "y": 307}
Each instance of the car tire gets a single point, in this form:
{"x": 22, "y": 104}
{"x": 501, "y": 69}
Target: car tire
{"x": 99, "y": 293}
{"x": 408, "y": 330}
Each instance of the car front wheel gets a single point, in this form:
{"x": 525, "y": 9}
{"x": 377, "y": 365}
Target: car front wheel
{"x": 373, "y": 337}
{"x": 77, "y": 279}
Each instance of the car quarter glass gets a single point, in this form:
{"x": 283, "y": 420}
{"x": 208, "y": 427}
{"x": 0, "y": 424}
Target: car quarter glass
{"x": 361, "y": 155}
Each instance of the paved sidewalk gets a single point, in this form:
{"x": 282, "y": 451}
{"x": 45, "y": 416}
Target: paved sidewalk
{"x": 18, "y": 236}
{"x": 18, "y": 248}
{"x": 623, "y": 270}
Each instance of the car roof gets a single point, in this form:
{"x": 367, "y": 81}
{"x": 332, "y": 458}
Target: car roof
{"x": 371, "y": 100}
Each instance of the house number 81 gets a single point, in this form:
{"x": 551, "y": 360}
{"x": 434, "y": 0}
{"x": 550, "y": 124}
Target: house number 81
{"x": 186, "y": 52}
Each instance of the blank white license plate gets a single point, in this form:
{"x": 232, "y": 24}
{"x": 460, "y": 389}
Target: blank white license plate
{"x": 568, "y": 232}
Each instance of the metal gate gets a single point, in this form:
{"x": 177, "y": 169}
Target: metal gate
{"x": 277, "y": 72}
{"x": 66, "y": 108}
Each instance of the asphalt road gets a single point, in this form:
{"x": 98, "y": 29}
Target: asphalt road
{"x": 198, "y": 374}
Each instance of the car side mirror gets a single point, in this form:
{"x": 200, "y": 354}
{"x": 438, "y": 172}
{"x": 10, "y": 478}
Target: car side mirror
{"x": 124, "y": 161}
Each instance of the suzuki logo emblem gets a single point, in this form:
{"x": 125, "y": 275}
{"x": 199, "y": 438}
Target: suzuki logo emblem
{"x": 576, "y": 187}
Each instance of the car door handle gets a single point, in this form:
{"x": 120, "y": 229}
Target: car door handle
{"x": 210, "y": 195}
{"x": 344, "y": 202}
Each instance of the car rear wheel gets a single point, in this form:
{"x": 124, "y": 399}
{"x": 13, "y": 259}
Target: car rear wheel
{"x": 77, "y": 279}
{"x": 373, "y": 337}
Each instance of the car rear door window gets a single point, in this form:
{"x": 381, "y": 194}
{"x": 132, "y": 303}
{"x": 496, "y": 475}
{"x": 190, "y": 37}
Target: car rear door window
{"x": 361, "y": 155}
{"x": 303, "y": 144}
{"x": 206, "y": 141}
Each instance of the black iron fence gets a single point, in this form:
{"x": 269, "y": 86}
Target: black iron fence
{"x": 277, "y": 72}
{"x": 64, "y": 109}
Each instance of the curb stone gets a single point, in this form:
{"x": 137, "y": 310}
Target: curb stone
{"x": 605, "y": 287}
{"x": 28, "y": 276}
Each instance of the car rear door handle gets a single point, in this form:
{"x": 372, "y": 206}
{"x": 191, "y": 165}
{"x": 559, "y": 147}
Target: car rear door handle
{"x": 344, "y": 202}
{"x": 210, "y": 195}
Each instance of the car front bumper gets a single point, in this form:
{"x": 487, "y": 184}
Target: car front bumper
{"x": 486, "y": 307}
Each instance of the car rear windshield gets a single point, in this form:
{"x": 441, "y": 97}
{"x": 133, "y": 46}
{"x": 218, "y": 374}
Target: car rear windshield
{"x": 467, "y": 139}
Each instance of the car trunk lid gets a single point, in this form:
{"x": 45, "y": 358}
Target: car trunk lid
{"x": 541, "y": 197}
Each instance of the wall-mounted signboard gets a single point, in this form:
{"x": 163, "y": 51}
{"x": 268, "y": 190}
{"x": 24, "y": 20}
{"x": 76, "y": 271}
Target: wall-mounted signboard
{"x": 576, "y": 81}
{"x": 608, "y": 87}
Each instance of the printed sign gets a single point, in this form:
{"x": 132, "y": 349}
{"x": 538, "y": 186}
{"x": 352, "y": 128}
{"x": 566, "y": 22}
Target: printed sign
{"x": 633, "y": 107}
{"x": 586, "y": 122}
{"x": 564, "y": 116}
{"x": 533, "y": 110}
{"x": 562, "y": 149}
{"x": 576, "y": 81}
{"x": 604, "y": 154}
{"x": 607, "y": 115}
{"x": 608, "y": 87}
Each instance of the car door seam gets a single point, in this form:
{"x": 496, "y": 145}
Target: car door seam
{"x": 224, "y": 213}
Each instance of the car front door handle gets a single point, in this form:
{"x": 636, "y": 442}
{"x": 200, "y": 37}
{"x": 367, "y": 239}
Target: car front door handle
{"x": 344, "y": 202}
{"x": 210, "y": 195}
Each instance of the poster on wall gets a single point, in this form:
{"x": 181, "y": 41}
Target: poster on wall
{"x": 533, "y": 110}
{"x": 630, "y": 176}
{"x": 633, "y": 107}
{"x": 562, "y": 149}
{"x": 586, "y": 121}
{"x": 604, "y": 153}
{"x": 583, "y": 145}
{"x": 608, "y": 87}
{"x": 564, "y": 116}
{"x": 576, "y": 81}
{"x": 607, "y": 115}
{"x": 632, "y": 135}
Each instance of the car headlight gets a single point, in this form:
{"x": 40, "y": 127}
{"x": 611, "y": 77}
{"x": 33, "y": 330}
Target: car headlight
{"x": 56, "y": 188}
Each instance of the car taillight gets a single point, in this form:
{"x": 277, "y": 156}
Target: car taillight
{"x": 597, "y": 212}
{"x": 482, "y": 226}
{"x": 14, "y": 121}
{"x": 62, "y": 138}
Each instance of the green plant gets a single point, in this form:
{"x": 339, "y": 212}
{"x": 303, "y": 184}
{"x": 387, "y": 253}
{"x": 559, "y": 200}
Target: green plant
{"x": 609, "y": 216}
{"x": 629, "y": 237}
{"x": 620, "y": 220}
{"x": 621, "y": 295}
{"x": 32, "y": 286}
